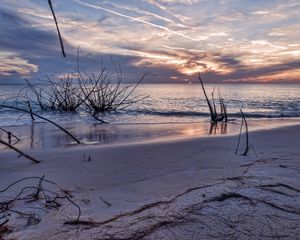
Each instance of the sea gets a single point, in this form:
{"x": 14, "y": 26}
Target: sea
{"x": 176, "y": 103}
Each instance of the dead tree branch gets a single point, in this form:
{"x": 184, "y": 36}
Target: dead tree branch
{"x": 247, "y": 134}
{"x": 41, "y": 191}
{"x": 239, "y": 140}
{"x": 244, "y": 122}
{"x": 57, "y": 28}
{"x": 10, "y": 135}
{"x": 34, "y": 114}
{"x": 207, "y": 100}
{"x": 223, "y": 107}
{"x": 19, "y": 151}
{"x": 214, "y": 116}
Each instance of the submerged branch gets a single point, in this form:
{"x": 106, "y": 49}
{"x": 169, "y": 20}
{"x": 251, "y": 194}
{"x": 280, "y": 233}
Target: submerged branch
{"x": 207, "y": 100}
{"x": 19, "y": 151}
{"x": 214, "y": 116}
{"x": 34, "y": 114}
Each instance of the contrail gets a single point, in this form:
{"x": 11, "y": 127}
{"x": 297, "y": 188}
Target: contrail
{"x": 136, "y": 20}
{"x": 141, "y": 11}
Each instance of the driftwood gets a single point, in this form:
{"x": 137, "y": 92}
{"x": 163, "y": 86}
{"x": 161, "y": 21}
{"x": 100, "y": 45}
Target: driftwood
{"x": 10, "y": 135}
{"x": 223, "y": 107}
{"x": 19, "y": 151}
{"x": 57, "y": 28}
{"x": 239, "y": 139}
{"x": 244, "y": 122}
{"x": 247, "y": 134}
{"x": 207, "y": 100}
{"x": 36, "y": 115}
{"x": 214, "y": 116}
{"x": 45, "y": 191}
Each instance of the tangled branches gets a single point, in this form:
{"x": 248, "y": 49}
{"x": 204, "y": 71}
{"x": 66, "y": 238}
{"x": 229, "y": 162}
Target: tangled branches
{"x": 33, "y": 190}
{"x": 94, "y": 93}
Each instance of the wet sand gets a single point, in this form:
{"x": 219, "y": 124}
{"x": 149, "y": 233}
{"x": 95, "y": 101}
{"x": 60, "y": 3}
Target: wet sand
{"x": 47, "y": 136}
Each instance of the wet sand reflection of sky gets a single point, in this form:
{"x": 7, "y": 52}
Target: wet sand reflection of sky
{"x": 45, "y": 136}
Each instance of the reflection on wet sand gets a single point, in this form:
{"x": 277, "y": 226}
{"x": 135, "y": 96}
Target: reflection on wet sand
{"x": 43, "y": 135}
{"x": 217, "y": 128}
{"x": 32, "y": 135}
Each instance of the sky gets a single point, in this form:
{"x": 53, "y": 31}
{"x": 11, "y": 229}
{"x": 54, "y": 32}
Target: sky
{"x": 228, "y": 41}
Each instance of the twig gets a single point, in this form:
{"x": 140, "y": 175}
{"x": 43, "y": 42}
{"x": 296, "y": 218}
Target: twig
{"x": 247, "y": 134}
{"x": 239, "y": 140}
{"x": 132, "y": 90}
{"x": 34, "y": 193}
{"x": 108, "y": 204}
{"x": 213, "y": 118}
{"x": 213, "y": 101}
{"x": 86, "y": 159}
{"x": 19, "y": 151}
{"x": 55, "y": 124}
{"x": 2, "y": 224}
{"x": 10, "y": 134}
{"x": 244, "y": 121}
{"x": 30, "y": 109}
{"x": 94, "y": 115}
{"x": 223, "y": 107}
{"x": 57, "y": 28}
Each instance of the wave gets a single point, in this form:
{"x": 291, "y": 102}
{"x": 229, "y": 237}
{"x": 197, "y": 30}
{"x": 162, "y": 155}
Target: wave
{"x": 205, "y": 114}
{"x": 286, "y": 114}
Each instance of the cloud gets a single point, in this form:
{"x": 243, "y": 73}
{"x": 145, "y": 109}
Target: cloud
{"x": 226, "y": 40}
{"x": 287, "y": 72}
{"x": 13, "y": 65}
{"x": 137, "y": 20}
{"x": 185, "y": 2}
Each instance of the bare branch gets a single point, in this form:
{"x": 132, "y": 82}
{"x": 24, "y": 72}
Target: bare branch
{"x": 57, "y": 28}
{"x": 34, "y": 114}
{"x": 247, "y": 134}
{"x": 19, "y": 151}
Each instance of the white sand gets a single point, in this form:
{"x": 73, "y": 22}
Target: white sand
{"x": 184, "y": 189}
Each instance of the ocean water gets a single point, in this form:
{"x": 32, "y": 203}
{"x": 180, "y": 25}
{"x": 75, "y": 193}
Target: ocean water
{"x": 178, "y": 103}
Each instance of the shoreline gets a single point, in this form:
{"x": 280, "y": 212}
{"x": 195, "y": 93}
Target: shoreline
{"x": 46, "y": 136}
{"x": 201, "y": 120}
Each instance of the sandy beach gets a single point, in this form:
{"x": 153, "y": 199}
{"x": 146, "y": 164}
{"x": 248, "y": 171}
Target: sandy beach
{"x": 192, "y": 187}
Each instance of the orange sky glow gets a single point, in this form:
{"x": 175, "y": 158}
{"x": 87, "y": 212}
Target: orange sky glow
{"x": 228, "y": 41}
